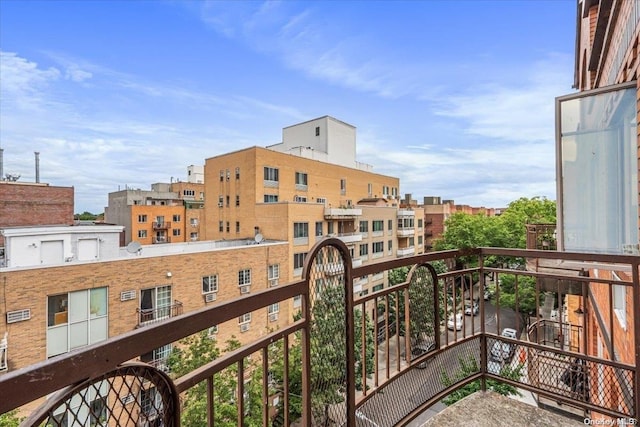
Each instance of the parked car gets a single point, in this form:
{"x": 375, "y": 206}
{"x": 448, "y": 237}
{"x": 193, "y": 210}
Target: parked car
{"x": 471, "y": 308}
{"x": 421, "y": 348}
{"x": 455, "y": 322}
{"x": 487, "y": 293}
{"x": 503, "y": 351}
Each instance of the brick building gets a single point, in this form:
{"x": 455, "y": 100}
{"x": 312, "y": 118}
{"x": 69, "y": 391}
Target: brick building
{"x": 24, "y": 204}
{"x": 597, "y": 164}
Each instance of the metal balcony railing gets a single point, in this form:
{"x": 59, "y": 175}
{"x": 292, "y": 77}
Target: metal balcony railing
{"x": 154, "y": 315}
{"x": 162, "y": 225}
{"x": 386, "y": 366}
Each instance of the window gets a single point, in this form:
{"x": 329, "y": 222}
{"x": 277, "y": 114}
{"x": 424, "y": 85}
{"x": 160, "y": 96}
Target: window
{"x": 76, "y": 319}
{"x": 378, "y": 247}
{"x": 176, "y": 218}
{"x": 221, "y": 174}
{"x": 322, "y": 200}
{"x": 300, "y": 229}
{"x": 142, "y": 218}
{"x": 155, "y": 304}
{"x": 271, "y": 174}
{"x": 188, "y": 193}
{"x": 377, "y": 288}
{"x": 297, "y": 301}
{"x": 237, "y": 200}
{"x": 244, "y": 277}
{"x": 273, "y": 308}
{"x": 273, "y": 274}
{"x": 378, "y": 225}
{"x": 271, "y": 198}
{"x": 158, "y": 357}
{"x": 301, "y": 179}
{"x": 419, "y": 240}
{"x": 319, "y": 228}
{"x": 228, "y": 198}
{"x": 150, "y": 402}
{"x": 364, "y": 249}
{"x": 300, "y": 199}
{"x": 412, "y": 241}
{"x": 237, "y": 226}
{"x": 193, "y": 235}
{"x": 370, "y": 189}
{"x": 245, "y": 318}
{"x": 317, "y": 130}
{"x": 228, "y": 227}
{"x": 220, "y": 201}
{"x": 419, "y": 222}
{"x": 176, "y": 231}
{"x": 390, "y": 225}
{"x": 389, "y": 245}
{"x": 620, "y": 302}
{"x": 364, "y": 226}
{"x": 298, "y": 262}
{"x": 343, "y": 185}
{"x": 193, "y": 222}
{"x": 228, "y": 175}
{"x": 142, "y": 234}
{"x": 237, "y": 173}
{"x": 210, "y": 284}
{"x": 330, "y": 227}
{"x": 220, "y": 226}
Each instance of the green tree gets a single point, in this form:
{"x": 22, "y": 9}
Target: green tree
{"x": 537, "y": 210}
{"x": 526, "y": 295}
{"x": 468, "y": 367}
{"x": 10, "y": 419}
{"x": 85, "y": 216}
{"x": 198, "y": 350}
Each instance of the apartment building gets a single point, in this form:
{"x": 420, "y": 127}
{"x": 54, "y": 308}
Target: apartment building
{"x": 307, "y": 187}
{"x": 597, "y": 169}
{"x": 73, "y": 302}
{"x": 168, "y": 213}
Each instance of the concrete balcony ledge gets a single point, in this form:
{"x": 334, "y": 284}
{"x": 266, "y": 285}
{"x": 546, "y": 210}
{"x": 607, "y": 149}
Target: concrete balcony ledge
{"x": 491, "y": 409}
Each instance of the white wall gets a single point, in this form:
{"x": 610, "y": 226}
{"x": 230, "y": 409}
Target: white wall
{"x": 31, "y": 246}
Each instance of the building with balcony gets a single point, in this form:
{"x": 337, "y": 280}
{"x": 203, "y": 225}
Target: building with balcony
{"x": 597, "y": 181}
{"x": 307, "y": 187}
{"x": 87, "y": 289}
{"x": 168, "y": 213}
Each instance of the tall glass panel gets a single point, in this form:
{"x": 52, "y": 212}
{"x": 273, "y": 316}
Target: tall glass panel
{"x": 599, "y": 161}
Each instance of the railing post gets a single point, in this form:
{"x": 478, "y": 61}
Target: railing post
{"x": 350, "y": 337}
{"x": 306, "y": 356}
{"x": 483, "y": 336}
{"x": 635, "y": 272}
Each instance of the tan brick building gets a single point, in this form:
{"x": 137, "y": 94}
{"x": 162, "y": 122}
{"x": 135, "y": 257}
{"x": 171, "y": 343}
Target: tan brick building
{"x": 50, "y": 310}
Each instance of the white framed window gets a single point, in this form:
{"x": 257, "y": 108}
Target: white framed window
{"x": 300, "y": 199}
{"x": 176, "y": 231}
{"x": 237, "y": 173}
{"x": 364, "y": 249}
{"x": 377, "y": 248}
{"x": 271, "y": 198}
{"x": 271, "y": 174}
{"x": 300, "y": 233}
{"x": 319, "y": 227}
{"x": 244, "y": 277}
{"x": 155, "y": 303}
{"x": 221, "y": 226}
{"x": 176, "y": 218}
{"x": 364, "y": 226}
{"x": 378, "y": 225}
{"x": 244, "y": 322}
{"x": 193, "y": 221}
{"x": 142, "y": 218}
{"x": 193, "y": 235}
{"x": 273, "y": 274}
{"x": 210, "y": 284}
{"x": 142, "y": 234}
{"x": 322, "y": 200}
{"x": 272, "y": 311}
{"x": 620, "y": 302}
{"x": 297, "y": 301}
{"x": 301, "y": 181}
{"x": 188, "y": 193}
{"x": 343, "y": 186}
{"x": 298, "y": 263}
{"x": 76, "y": 319}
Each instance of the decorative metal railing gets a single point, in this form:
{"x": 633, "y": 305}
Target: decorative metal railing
{"x": 366, "y": 359}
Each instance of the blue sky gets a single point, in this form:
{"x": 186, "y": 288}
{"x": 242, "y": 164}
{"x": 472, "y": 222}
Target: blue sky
{"x": 456, "y": 98}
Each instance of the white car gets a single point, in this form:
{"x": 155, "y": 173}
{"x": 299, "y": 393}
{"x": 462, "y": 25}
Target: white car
{"x": 503, "y": 351}
{"x": 471, "y": 308}
{"x": 455, "y": 322}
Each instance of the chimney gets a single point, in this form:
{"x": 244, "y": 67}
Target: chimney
{"x": 37, "y": 166}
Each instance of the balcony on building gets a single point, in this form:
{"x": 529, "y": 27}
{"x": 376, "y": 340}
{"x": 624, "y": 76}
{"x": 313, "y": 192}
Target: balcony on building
{"x": 149, "y": 316}
{"x": 161, "y": 239}
{"x": 342, "y": 212}
{"x": 161, "y": 225}
{"x": 409, "y": 347}
{"x": 406, "y": 213}
{"x": 409, "y": 250}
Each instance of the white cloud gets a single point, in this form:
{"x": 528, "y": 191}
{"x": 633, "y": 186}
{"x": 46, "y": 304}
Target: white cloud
{"x": 23, "y": 82}
{"x": 75, "y": 74}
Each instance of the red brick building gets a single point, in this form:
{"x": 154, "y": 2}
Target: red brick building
{"x": 23, "y": 204}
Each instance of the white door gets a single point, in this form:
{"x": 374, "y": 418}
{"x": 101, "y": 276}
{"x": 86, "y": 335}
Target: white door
{"x": 52, "y": 252}
{"x": 87, "y": 249}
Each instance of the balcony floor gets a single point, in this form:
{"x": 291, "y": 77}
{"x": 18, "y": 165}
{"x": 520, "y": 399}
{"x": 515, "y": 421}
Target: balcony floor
{"x": 491, "y": 409}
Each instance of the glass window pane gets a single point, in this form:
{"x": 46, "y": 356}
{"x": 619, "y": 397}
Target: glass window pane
{"x": 78, "y": 306}
{"x": 98, "y": 330}
{"x": 78, "y": 335}
{"x": 98, "y": 303}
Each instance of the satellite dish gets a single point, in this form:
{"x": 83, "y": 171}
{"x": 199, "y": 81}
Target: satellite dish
{"x": 259, "y": 238}
{"x": 134, "y": 247}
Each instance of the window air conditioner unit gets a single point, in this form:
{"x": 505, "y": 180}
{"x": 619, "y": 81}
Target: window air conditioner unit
{"x": 244, "y": 327}
{"x": 273, "y": 317}
{"x": 210, "y": 297}
{"x": 245, "y": 289}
